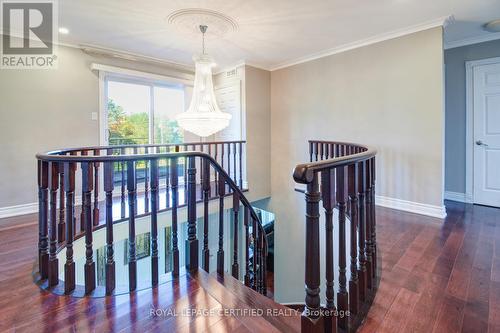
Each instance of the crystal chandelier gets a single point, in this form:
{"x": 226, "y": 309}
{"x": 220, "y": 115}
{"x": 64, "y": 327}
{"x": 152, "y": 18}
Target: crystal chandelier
{"x": 203, "y": 117}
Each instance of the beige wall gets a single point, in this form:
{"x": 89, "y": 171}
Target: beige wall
{"x": 258, "y": 131}
{"x": 256, "y": 126}
{"x": 42, "y": 110}
{"x": 388, "y": 95}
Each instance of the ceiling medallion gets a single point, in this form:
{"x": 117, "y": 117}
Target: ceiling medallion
{"x": 187, "y": 21}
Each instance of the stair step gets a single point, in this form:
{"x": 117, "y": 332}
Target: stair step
{"x": 255, "y": 311}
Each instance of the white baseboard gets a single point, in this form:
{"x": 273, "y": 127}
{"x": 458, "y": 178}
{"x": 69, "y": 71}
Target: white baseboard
{"x": 407, "y": 206}
{"x": 25, "y": 209}
{"x": 412, "y": 207}
{"x": 18, "y": 210}
{"x": 457, "y": 196}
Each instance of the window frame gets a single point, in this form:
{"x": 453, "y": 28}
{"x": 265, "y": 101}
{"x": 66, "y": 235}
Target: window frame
{"x": 114, "y": 74}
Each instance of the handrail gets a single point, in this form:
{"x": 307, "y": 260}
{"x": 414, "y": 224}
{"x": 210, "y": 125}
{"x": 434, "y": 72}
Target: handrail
{"x": 60, "y": 163}
{"x": 303, "y": 173}
{"x": 149, "y": 145}
{"x": 341, "y": 176}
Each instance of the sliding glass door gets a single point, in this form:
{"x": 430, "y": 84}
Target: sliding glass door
{"x": 140, "y": 112}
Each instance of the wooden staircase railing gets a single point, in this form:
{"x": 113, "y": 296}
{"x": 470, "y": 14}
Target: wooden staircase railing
{"x": 342, "y": 177}
{"x": 210, "y": 173}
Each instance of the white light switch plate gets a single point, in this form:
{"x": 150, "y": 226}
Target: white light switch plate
{"x": 94, "y": 116}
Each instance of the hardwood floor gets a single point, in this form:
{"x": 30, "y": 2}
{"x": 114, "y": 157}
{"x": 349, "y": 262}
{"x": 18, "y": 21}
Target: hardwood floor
{"x": 435, "y": 277}
{"x": 191, "y": 303}
{"x": 438, "y": 277}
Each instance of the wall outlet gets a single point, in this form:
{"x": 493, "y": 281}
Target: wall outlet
{"x": 94, "y": 116}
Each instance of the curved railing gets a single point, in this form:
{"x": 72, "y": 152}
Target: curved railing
{"x": 342, "y": 176}
{"x": 197, "y": 174}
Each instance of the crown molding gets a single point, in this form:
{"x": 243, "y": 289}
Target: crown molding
{"x": 442, "y": 21}
{"x": 98, "y": 50}
{"x": 473, "y": 40}
{"x": 239, "y": 64}
{"x": 439, "y": 22}
{"x": 109, "y": 52}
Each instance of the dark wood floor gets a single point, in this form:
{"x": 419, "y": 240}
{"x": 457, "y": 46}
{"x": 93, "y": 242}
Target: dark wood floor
{"x": 436, "y": 277}
{"x": 191, "y": 303}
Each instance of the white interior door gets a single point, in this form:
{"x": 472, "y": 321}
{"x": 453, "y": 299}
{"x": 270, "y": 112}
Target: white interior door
{"x": 487, "y": 134}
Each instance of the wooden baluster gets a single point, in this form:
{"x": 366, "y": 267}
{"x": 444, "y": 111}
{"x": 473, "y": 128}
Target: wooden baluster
{"x": 216, "y": 174}
{"x": 209, "y": 175}
{"x": 82, "y": 218}
{"x": 247, "y": 246}
{"x": 362, "y": 273}
{"x": 258, "y": 258}
{"x": 263, "y": 269}
{"x": 312, "y": 319}
{"x": 110, "y": 261}
{"x": 254, "y": 254}
{"x": 175, "y": 202}
{"x": 328, "y": 198}
{"x": 316, "y": 150}
{"x": 206, "y": 197}
{"x": 337, "y": 150}
{"x": 200, "y": 164}
{"x": 222, "y": 157}
{"x": 368, "y": 229}
{"x": 122, "y": 197}
{"x": 229, "y": 164}
{"x": 62, "y": 225}
{"x": 321, "y": 151}
{"x": 53, "y": 271}
{"x": 95, "y": 214}
{"x": 131, "y": 187}
{"x": 373, "y": 220}
{"x": 353, "y": 199}
{"x": 342, "y": 296}
{"x": 185, "y": 176}
{"x": 234, "y": 163}
{"x": 75, "y": 166}
{"x": 236, "y": 210}
{"x": 69, "y": 266}
{"x": 191, "y": 241}
{"x": 241, "y": 165}
{"x": 135, "y": 151}
{"x": 154, "y": 222}
{"x": 220, "y": 252}
{"x": 146, "y": 183}
{"x": 167, "y": 181}
{"x": 87, "y": 186}
{"x": 327, "y": 151}
{"x": 43, "y": 241}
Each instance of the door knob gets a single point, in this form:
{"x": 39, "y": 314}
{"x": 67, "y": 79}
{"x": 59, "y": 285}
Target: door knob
{"x": 481, "y": 143}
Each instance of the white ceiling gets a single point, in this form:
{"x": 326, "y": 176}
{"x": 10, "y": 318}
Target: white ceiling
{"x": 271, "y": 33}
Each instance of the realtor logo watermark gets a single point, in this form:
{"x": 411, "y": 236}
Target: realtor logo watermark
{"x": 29, "y": 34}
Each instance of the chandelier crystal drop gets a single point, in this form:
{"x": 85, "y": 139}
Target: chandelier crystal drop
{"x": 203, "y": 117}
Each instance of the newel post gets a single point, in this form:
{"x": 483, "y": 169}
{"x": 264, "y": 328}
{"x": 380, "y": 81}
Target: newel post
{"x": 312, "y": 319}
